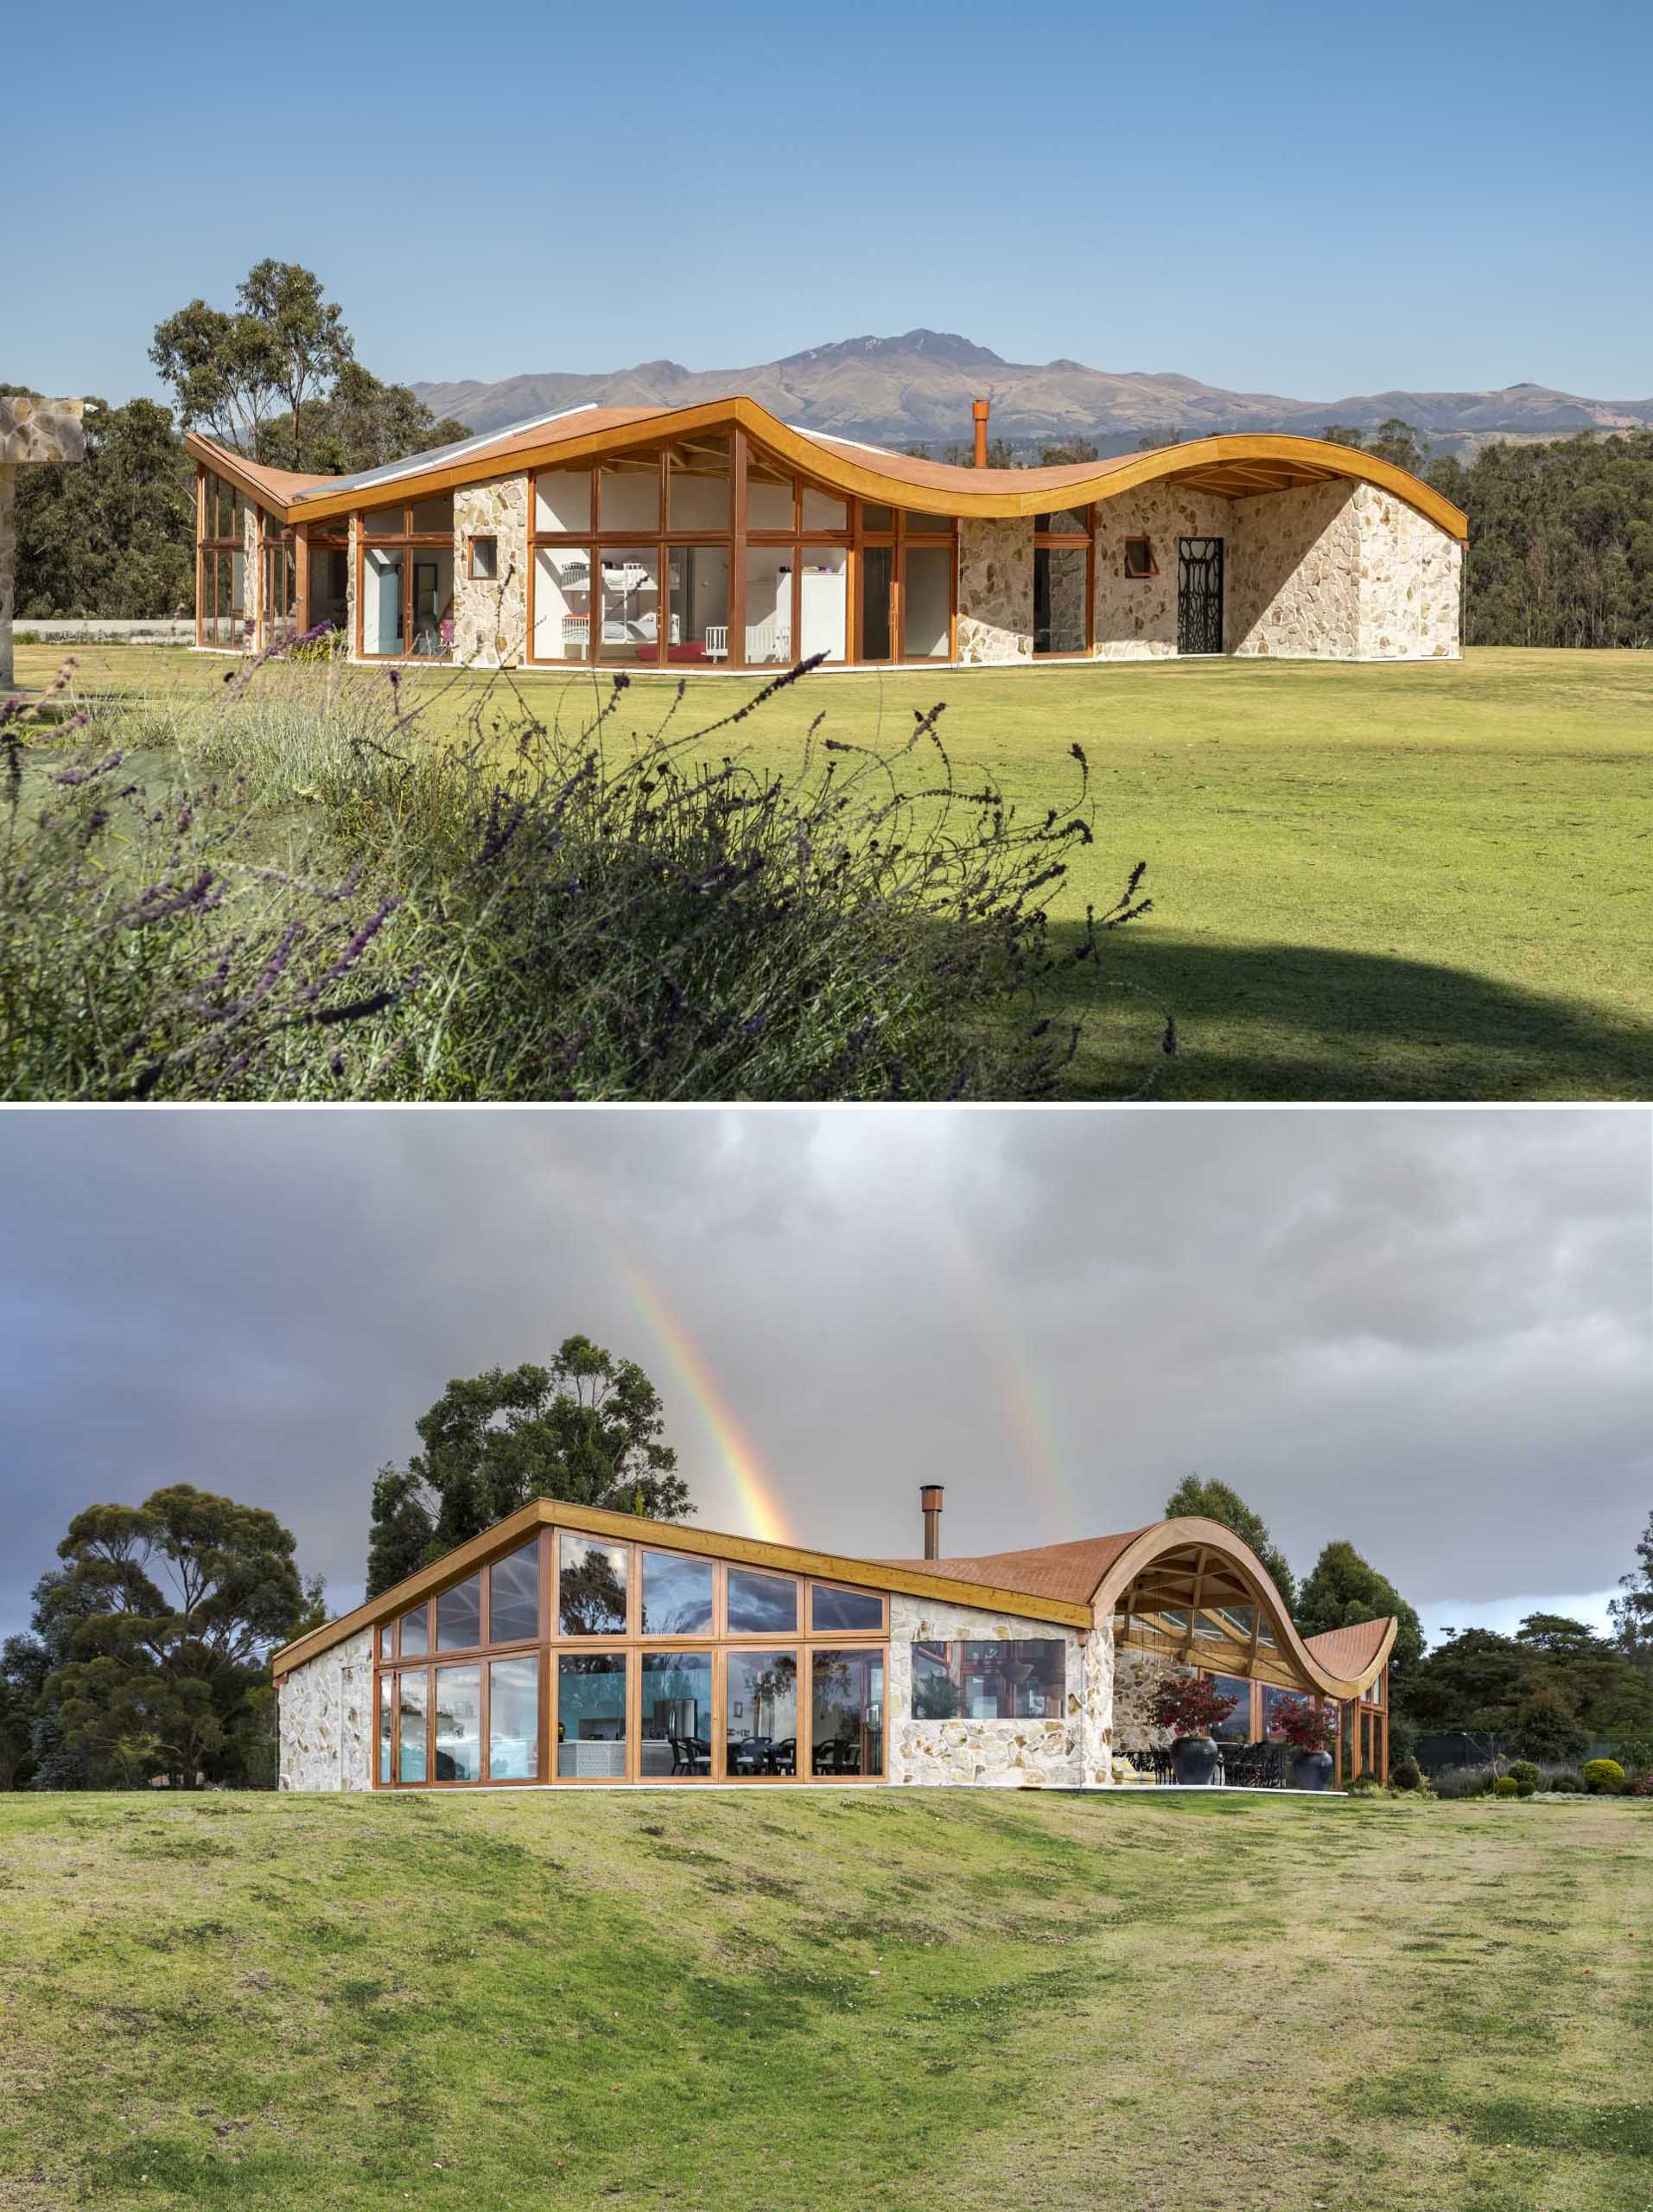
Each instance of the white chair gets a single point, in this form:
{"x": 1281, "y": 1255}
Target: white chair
{"x": 576, "y": 631}
{"x": 716, "y": 641}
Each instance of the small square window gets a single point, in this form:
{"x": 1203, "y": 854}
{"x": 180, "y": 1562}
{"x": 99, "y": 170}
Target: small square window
{"x": 485, "y": 559}
{"x": 1139, "y": 557}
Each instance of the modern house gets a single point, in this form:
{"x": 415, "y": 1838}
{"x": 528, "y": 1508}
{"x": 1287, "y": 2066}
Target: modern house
{"x": 568, "y": 1645}
{"x": 718, "y": 538}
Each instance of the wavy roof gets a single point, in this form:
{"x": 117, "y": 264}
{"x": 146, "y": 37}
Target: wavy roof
{"x": 1240, "y": 466}
{"x": 1076, "y": 1585}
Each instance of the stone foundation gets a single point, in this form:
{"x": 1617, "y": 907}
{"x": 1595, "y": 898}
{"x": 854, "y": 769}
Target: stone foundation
{"x": 490, "y": 619}
{"x": 326, "y": 1719}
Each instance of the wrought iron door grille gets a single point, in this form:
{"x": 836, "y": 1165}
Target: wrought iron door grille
{"x": 1199, "y": 596}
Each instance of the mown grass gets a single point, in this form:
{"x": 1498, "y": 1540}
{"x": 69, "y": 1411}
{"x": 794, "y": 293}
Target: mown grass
{"x": 799, "y": 2001}
{"x": 1408, "y": 882}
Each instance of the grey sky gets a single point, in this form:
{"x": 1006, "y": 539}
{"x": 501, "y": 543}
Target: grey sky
{"x": 1428, "y": 1331}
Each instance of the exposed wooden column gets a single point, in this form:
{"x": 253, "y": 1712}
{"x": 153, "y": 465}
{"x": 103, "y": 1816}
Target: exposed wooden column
{"x": 738, "y": 548}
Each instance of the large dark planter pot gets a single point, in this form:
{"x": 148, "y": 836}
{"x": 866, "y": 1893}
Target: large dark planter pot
{"x": 1195, "y": 1759}
{"x": 1310, "y": 1770}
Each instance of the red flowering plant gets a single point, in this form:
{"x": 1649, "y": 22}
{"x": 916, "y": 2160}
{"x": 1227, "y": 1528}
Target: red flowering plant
{"x": 1305, "y": 1723}
{"x": 1191, "y": 1704}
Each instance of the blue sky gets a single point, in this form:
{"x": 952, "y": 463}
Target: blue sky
{"x": 1311, "y": 199}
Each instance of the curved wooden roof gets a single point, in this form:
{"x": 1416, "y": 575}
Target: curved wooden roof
{"x": 1242, "y": 465}
{"x": 1078, "y": 1584}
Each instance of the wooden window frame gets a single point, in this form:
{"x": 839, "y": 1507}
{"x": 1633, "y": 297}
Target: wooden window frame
{"x": 549, "y": 1645}
{"x": 473, "y": 575}
{"x": 212, "y": 545}
{"x": 1137, "y": 576}
{"x": 739, "y": 538}
{"x": 408, "y": 541}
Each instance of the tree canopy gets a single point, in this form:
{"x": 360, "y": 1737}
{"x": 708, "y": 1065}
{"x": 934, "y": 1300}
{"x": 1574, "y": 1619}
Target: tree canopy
{"x": 1633, "y": 1610}
{"x": 278, "y": 379}
{"x": 1214, "y": 1501}
{"x": 1343, "y": 1589}
{"x": 1550, "y": 1689}
{"x": 114, "y": 534}
{"x": 150, "y": 1644}
{"x": 586, "y": 1428}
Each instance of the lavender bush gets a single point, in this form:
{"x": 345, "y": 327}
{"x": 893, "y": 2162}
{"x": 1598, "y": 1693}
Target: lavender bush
{"x": 521, "y": 911}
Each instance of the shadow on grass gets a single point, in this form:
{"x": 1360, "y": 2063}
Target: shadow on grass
{"x": 1263, "y": 1021}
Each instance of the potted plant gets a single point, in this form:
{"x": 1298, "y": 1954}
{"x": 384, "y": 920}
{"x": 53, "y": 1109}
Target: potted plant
{"x": 1191, "y": 1706}
{"x": 1310, "y": 1730}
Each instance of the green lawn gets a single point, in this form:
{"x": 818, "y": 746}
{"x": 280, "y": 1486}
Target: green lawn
{"x": 1413, "y": 882}
{"x": 775, "y": 2003}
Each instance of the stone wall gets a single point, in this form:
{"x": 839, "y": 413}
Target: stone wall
{"x": 1069, "y": 1752}
{"x": 1137, "y": 1676}
{"x": 326, "y": 1719}
{"x": 1411, "y": 575}
{"x": 491, "y": 619}
{"x": 1136, "y": 618}
{"x": 1292, "y": 573}
{"x": 350, "y": 584}
{"x": 996, "y": 589}
{"x": 253, "y": 575}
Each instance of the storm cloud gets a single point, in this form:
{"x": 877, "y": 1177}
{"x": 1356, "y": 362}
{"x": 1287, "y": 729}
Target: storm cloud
{"x": 1426, "y": 1331}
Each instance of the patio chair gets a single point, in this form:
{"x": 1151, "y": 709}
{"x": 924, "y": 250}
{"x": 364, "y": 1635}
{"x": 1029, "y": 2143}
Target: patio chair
{"x": 749, "y": 1754}
{"x": 782, "y": 1758}
{"x": 717, "y": 641}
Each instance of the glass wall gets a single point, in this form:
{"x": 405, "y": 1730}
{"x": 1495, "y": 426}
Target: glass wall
{"x": 326, "y": 583}
{"x": 405, "y": 583}
{"x": 1237, "y": 1729}
{"x": 221, "y": 609}
{"x": 664, "y": 1666}
{"x": 847, "y": 1712}
{"x": 591, "y": 1715}
{"x": 760, "y": 1727}
{"x": 688, "y": 574}
{"x": 676, "y": 1723}
{"x": 514, "y": 1720}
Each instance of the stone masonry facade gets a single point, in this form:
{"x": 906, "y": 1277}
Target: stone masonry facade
{"x": 1069, "y": 1752}
{"x": 326, "y": 1719}
{"x": 490, "y": 618}
{"x": 1136, "y": 618}
{"x": 995, "y": 590}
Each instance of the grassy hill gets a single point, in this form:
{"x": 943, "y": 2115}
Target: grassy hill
{"x": 787, "y": 2001}
{"x": 1404, "y": 882}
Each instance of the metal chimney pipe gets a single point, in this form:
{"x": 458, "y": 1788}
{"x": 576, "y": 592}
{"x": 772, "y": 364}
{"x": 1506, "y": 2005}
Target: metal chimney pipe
{"x": 979, "y": 412}
{"x": 930, "y": 1499}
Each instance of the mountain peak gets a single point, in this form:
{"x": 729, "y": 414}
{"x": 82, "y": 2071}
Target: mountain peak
{"x": 945, "y": 346}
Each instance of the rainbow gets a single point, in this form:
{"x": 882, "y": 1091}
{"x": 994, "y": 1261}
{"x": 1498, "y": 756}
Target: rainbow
{"x": 756, "y": 1489}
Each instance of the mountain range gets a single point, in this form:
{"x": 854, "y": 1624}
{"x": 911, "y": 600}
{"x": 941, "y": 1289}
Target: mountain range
{"x": 918, "y": 388}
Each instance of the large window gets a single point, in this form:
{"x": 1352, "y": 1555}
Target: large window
{"x": 1003, "y": 1679}
{"x": 591, "y": 1586}
{"x": 677, "y": 1720}
{"x": 406, "y": 582}
{"x": 760, "y": 1723}
{"x": 591, "y": 1715}
{"x": 583, "y": 1658}
{"x": 327, "y": 577}
{"x": 655, "y": 559}
{"x": 279, "y": 606}
{"x": 847, "y": 1712}
{"x": 1237, "y": 1729}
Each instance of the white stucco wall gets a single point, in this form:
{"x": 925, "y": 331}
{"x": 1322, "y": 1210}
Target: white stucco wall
{"x": 1068, "y": 1752}
{"x": 326, "y": 1719}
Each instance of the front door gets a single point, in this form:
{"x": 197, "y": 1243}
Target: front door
{"x": 1199, "y": 594}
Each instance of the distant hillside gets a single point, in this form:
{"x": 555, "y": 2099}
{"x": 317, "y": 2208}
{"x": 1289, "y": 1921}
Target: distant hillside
{"x": 919, "y": 387}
